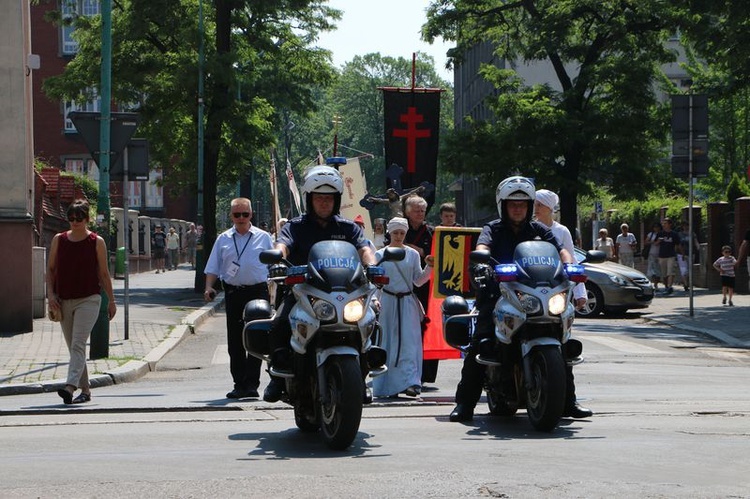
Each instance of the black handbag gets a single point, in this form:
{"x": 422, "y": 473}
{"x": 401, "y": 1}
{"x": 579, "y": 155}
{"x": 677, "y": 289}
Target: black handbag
{"x": 646, "y": 250}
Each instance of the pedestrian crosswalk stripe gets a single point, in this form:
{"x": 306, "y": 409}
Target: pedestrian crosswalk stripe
{"x": 221, "y": 355}
{"x": 624, "y": 346}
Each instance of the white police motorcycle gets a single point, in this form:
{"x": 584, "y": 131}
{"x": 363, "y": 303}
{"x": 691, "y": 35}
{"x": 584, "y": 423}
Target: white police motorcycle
{"x": 532, "y": 317}
{"x": 332, "y": 324}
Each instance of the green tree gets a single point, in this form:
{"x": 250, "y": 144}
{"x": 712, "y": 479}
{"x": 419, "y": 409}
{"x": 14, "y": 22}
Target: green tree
{"x": 599, "y": 122}
{"x": 260, "y": 57}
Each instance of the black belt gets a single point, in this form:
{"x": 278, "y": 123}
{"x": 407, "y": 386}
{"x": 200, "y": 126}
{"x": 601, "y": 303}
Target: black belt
{"x": 397, "y": 295}
{"x": 244, "y": 287}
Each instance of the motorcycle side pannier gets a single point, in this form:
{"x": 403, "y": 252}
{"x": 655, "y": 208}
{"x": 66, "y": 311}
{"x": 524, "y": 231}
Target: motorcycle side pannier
{"x": 456, "y": 330}
{"x": 255, "y": 335}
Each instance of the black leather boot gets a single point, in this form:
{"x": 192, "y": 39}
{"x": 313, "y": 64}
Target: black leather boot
{"x": 274, "y": 390}
{"x": 461, "y": 413}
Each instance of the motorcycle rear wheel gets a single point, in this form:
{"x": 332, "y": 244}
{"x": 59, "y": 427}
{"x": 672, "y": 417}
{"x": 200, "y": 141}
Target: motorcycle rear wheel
{"x": 546, "y": 400}
{"x": 340, "y": 417}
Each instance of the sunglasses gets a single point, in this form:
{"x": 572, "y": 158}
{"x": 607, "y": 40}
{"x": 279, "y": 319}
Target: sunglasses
{"x": 245, "y": 214}
{"x": 76, "y": 218}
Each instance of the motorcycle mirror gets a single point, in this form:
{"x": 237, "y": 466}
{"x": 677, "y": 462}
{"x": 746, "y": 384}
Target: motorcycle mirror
{"x": 595, "y": 256}
{"x": 269, "y": 257}
{"x": 480, "y": 256}
{"x": 393, "y": 254}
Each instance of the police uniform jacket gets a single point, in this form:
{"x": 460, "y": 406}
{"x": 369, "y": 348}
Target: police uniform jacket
{"x": 301, "y": 233}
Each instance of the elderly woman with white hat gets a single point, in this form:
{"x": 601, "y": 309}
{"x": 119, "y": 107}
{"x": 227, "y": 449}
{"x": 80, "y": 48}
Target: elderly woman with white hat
{"x": 400, "y": 316}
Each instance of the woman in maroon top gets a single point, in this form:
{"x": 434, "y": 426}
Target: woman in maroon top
{"x": 77, "y": 271}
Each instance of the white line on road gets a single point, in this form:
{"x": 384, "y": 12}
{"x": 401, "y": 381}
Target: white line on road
{"x": 623, "y": 345}
{"x": 221, "y": 355}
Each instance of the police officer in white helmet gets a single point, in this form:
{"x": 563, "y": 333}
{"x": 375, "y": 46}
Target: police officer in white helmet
{"x": 322, "y": 187}
{"x": 515, "y": 205}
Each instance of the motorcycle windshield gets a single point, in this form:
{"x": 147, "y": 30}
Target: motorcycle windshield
{"x": 538, "y": 264}
{"x": 335, "y": 265}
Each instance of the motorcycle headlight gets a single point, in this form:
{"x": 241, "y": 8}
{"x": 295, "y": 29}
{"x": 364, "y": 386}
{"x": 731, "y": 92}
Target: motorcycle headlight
{"x": 354, "y": 310}
{"x": 558, "y": 303}
{"x": 324, "y": 310}
{"x": 530, "y": 304}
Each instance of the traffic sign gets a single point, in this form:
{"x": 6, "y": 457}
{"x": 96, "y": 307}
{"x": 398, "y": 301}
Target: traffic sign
{"x": 137, "y": 162}
{"x": 122, "y": 127}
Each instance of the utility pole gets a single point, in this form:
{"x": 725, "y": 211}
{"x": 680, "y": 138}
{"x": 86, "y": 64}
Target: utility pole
{"x": 100, "y": 333}
{"x": 200, "y": 278}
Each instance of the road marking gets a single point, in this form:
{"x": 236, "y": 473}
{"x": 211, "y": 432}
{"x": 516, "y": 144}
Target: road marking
{"x": 221, "y": 355}
{"x": 624, "y": 346}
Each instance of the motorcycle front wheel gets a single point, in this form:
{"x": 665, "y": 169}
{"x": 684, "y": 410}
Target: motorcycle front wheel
{"x": 545, "y": 400}
{"x": 305, "y": 421}
{"x": 341, "y": 415}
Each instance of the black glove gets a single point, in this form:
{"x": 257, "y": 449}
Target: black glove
{"x": 481, "y": 275}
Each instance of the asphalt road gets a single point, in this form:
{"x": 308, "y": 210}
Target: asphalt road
{"x": 671, "y": 421}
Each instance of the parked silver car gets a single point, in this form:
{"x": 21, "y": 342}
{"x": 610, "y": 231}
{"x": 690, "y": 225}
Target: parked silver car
{"x": 613, "y": 288}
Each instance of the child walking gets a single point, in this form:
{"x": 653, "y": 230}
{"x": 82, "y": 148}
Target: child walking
{"x": 725, "y": 265}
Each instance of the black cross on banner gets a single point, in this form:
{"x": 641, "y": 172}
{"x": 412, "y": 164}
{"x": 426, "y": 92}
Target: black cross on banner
{"x": 412, "y": 125}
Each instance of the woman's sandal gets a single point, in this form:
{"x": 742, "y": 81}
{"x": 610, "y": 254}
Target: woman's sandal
{"x": 83, "y": 397}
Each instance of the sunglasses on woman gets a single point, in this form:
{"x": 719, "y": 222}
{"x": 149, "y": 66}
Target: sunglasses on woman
{"x": 244, "y": 214}
{"x": 76, "y": 218}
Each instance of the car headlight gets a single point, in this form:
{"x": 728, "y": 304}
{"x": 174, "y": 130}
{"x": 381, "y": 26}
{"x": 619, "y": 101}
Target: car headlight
{"x": 324, "y": 310}
{"x": 354, "y": 310}
{"x": 558, "y": 303}
{"x": 617, "y": 280}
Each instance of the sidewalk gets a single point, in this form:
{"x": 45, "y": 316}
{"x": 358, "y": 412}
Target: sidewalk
{"x": 728, "y": 325}
{"x": 163, "y": 308}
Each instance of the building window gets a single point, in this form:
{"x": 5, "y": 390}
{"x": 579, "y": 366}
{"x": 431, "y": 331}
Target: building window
{"x": 70, "y": 9}
{"x": 94, "y": 106}
{"x": 82, "y": 166}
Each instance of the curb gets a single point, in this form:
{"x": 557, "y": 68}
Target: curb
{"x": 133, "y": 369}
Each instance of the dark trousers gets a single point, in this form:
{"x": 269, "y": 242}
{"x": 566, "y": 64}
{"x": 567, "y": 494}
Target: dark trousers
{"x": 429, "y": 367}
{"x": 245, "y": 368}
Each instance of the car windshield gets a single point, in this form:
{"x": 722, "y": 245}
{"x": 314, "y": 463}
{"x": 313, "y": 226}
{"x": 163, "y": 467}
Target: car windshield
{"x": 579, "y": 254}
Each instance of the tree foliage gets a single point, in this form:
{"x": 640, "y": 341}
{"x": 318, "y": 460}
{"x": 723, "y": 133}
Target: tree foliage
{"x": 260, "y": 57}
{"x": 599, "y": 122}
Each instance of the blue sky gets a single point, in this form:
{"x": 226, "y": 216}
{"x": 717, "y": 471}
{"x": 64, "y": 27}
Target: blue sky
{"x": 390, "y": 27}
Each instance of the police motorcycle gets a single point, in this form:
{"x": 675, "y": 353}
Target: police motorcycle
{"x": 332, "y": 324}
{"x": 532, "y": 317}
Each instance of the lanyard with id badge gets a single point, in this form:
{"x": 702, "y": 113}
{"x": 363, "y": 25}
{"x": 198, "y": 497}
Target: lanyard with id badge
{"x": 234, "y": 267}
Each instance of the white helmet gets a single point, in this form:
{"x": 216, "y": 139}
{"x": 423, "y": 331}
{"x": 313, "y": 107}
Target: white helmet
{"x": 323, "y": 180}
{"x": 515, "y": 188}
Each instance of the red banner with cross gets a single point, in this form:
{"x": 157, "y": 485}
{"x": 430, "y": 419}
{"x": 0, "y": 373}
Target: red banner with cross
{"x": 411, "y": 126}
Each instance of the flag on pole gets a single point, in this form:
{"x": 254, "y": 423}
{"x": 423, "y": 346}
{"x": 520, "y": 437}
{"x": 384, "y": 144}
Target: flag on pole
{"x": 274, "y": 193}
{"x": 293, "y": 186}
